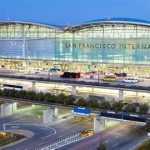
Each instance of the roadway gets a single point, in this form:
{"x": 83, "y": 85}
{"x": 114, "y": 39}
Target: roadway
{"x": 26, "y": 120}
{"x": 43, "y": 133}
{"x": 86, "y": 79}
{"x": 118, "y": 137}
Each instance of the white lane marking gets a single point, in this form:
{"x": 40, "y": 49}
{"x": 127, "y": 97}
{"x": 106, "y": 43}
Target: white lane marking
{"x": 50, "y": 134}
{"x": 94, "y": 140}
{"x": 60, "y": 136}
{"x": 14, "y": 121}
{"x": 107, "y": 141}
{"x": 117, "y": 136}
{"x": 115, "y": 144}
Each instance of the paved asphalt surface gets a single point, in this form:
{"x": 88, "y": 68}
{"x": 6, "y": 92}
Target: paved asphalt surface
{"x": 22, "y": 122}
{"x": 59, "y": 135}
{"x": 43, "y": 135}
{"x": 57, "y": 77}
{"x": 120, "y": 137}
{"x": 117, "y": 137}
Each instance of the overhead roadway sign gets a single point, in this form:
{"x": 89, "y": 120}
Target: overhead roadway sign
{"x": 81, "y": 111}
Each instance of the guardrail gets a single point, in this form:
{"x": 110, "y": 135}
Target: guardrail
{"x": 62, "y": 142}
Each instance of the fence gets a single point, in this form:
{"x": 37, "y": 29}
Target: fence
{"x": 62, "y": 142}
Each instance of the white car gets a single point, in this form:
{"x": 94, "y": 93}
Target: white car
{"x": 130, "y": 80}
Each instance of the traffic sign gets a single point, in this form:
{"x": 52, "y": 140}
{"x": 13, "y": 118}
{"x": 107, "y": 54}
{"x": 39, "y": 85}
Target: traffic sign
{"x": 81, "y": 111}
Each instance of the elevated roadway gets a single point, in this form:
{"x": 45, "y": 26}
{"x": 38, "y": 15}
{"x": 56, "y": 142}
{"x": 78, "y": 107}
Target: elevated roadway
{"x": 104, "y": 85}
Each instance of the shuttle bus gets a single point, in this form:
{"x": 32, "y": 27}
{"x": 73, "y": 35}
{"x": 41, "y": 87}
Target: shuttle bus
{"x": 14, "y": 86}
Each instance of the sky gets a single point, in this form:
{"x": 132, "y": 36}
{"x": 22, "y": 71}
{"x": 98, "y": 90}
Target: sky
{"x": 69, "y": 12}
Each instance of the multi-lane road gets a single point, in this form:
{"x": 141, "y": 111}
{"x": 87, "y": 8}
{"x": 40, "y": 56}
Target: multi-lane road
{"x": 86, "y": 79}
{"x": 42, "y": 134}
{"x": 118, "y": 136}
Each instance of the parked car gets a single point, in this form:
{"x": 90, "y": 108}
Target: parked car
{"x": 130, "y": 80}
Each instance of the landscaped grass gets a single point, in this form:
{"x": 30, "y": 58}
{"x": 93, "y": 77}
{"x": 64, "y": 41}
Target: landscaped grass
{"x": 9, "y": 138}
{"x": 144, "y": 146}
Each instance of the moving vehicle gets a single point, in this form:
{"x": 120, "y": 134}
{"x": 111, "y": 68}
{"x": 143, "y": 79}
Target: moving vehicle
{"x": 121, "y": 74}
{"x": 86, "y": 133}
{"x": 14, "y": 86}
{"x": 124, "y": 116}
{"x": 130, "y": 80}
{"x": 109, "y": 78}
{"x": 70, "y": 75}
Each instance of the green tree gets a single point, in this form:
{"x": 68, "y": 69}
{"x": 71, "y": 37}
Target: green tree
{"x": 92, "y": 103}
{"x": 130, "y": 108}
{"x": 31, "y": 95}
{"x": 60, "y": 98}
{"x": 81, "y": 102}
{"x": 40, "y": 96}
{"x": 5, "y": 92}
{"x": 147, "y": 145}
{"x": 117, "y": 106}
{"x": 105, "y": 105}
{"x": 143, "y": 109}
{"x": 49, "y": 98}
{"x": 68, "y": 101}
{"x": 1, "y": 92}
{"x": 102, "y": 145}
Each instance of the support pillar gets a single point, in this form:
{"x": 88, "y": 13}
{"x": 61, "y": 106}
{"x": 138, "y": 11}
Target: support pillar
{"x": 14, "y": 107}
{"x": 23, "y": 47}
{"x": 24, "y": 63}
{"x": 74, "y": 91}
{"x": 48, "y": 115}
{"x": 92, "y": 89}
{"x": 103, "y": 123}
{"x": 120, "y": 94}
{"x": 6, "y": 109}
{"x": 39, "y": 63}
{"x": 97, "y": 125}
{"x": 55, "y": 113}
{"x": 137, "y": 94}
{"x": 33, "y": 85}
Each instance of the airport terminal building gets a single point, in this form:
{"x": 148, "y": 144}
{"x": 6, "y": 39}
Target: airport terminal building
{"x": 110, "y": 45}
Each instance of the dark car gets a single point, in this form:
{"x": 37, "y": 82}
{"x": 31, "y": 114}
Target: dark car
{"x": 136, "y": 104}
{"x": 121, "y": 74}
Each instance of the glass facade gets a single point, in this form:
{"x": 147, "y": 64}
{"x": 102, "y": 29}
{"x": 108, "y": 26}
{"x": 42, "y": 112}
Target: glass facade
{"x": 27, "y": 41}
{"x": 106, "y": 43}
{"x": 101, "y": 42}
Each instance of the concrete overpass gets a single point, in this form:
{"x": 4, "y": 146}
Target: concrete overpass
{"x": 75, "y": 84}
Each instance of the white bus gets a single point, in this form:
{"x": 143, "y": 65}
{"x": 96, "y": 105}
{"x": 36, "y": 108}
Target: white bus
{"x": 14, "y": 86}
